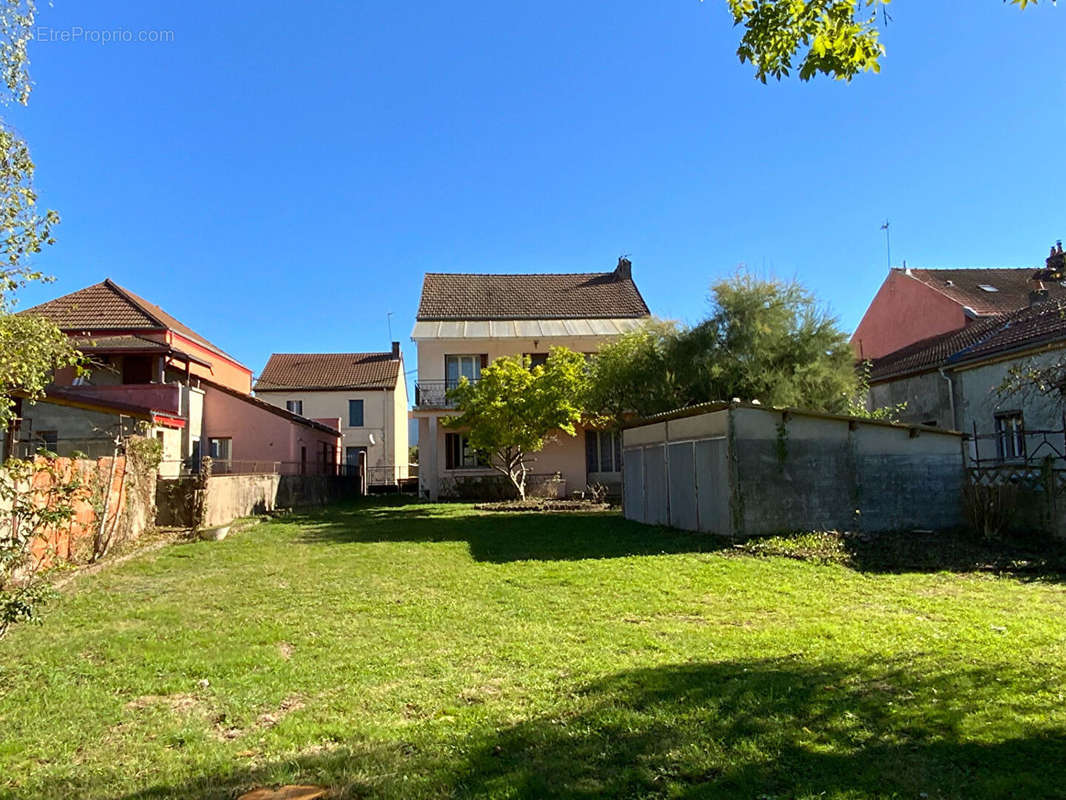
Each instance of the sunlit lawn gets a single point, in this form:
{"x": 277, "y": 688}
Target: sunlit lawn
{"x": 432, "y": 651}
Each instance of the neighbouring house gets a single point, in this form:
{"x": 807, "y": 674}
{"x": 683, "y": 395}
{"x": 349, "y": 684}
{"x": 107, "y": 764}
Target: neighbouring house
{"x": 366, "y": 391}
{"x": 147, "y": 369}
{"x": 465, "y": 321}
{"x": 916, "y": 304}
{"x": 952, "y": 379}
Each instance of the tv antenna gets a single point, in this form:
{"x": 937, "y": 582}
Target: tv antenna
{"x": 388, "y": 321}
{"x": 888, "y": 243}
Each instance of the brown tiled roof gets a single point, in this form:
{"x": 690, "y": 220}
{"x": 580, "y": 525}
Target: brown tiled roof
{"x": 584, "y": 295}
{"x": 964, "y": 287}
{"x": 287, "y": 371}
{"x": 985, "y": 338}
{"x": 107, "y": 306}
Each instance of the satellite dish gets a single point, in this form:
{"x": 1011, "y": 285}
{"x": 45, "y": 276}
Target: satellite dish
{"x": 372, "y": 439}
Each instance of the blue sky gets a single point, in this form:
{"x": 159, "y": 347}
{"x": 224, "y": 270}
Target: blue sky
{"x": 280, "y": 175}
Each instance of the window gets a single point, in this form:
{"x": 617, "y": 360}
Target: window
{"x": 295, "y": 406}
{"x": 603, "y": 451}
{"x": 1010, "y": 435}
{"x": 49, "y": 440}
{"x": 985, "y": 287}
{"x": 537, "y": 359}
{"x": 137, "y": 369}
{"x": 219, "y": 449}
{"x": 469, "y": 367}
{"x": 355, "y": 413}
{"x": 458, "y": 454}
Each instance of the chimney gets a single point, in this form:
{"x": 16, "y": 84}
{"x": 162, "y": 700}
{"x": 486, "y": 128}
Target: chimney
{"x": 624, "y": 269}
{"x": 396, "y": 350}
{"x": 1056, "y": 262}
{"x": 1037, "y": 296}
{"x": 1055, "y": 267}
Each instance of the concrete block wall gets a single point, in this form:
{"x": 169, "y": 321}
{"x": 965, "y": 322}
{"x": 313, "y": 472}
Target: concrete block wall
{"x": 744, "y": 470}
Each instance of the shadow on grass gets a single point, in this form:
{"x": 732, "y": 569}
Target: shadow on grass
{"x": 508, "y": 536}
{"x": 1033, "y": 557}
{"x": 501, "y": 536}
{"x": 740, "y": 729}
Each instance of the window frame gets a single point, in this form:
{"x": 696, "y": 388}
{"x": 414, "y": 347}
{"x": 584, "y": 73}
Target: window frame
{"x": 459, "y": 455}
{"x": 599, "y": 443}
{"x": 362, "y": 412}
{"x": 478, "y": 362}
{"x": 1010, "y": 435}
{"x": 295, "y": 407}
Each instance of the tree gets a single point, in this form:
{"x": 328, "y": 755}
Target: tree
{"x": 771, "y": 341}
{"x": 837, "y": 38}
{"x": 35, "y": 495}
{"x": 765, "y": 340}
{"x": 31, "y": 349}
{"x": 635, "y": 375}
{"x": 514, "y": 409}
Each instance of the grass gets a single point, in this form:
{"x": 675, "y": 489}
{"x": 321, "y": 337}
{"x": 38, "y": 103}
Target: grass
{"x": 392, "y": 651}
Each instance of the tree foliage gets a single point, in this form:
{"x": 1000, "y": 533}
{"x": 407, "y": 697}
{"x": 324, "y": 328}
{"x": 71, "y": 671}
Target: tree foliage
{"x": 31, "y": 349}
{"x": 764, "y": 340}
{"x": 837, "y": 38}
{"x": 636, "y": 375}
{"x": 38, "y": 496}
{"x": 515, "y": 409}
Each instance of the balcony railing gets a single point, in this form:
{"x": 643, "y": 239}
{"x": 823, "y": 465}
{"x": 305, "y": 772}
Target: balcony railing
{"x": 434, "y": 394}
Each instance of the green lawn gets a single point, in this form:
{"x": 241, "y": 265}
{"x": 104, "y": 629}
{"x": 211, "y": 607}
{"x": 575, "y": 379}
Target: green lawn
{"x": 431, "y": 651}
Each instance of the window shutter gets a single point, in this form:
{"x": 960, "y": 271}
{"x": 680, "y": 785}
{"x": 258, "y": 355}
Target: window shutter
{"x": 484, "y": 360}
{"x": 591, "y": 450}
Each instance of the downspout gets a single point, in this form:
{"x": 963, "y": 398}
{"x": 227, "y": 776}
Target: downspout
{"x": 951, "y": 397}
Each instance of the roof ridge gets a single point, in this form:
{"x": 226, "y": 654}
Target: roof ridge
{"x": 366, "y": 353}
{"x": 520, "y": 274}
{"x": 129, "y": 297}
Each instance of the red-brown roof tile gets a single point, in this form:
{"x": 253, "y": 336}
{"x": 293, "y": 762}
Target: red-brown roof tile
{"x": 983, "y": 339}
{"x": 306, "y": 371}
{"x": 585, "y": 295}
{"x": 964, "y": 286}
{"x": 108, "y": 306}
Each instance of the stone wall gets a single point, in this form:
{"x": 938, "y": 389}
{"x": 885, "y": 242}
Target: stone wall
{"x": 114, "y": 505}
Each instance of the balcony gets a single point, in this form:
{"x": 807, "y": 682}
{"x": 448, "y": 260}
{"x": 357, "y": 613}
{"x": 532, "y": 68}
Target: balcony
{"x": 434, "y": 394}
{"x": 164, "y": 397}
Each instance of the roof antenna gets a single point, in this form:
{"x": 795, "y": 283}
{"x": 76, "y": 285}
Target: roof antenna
{"x": 888, "y": 244}
{"x": 388, "y": 321}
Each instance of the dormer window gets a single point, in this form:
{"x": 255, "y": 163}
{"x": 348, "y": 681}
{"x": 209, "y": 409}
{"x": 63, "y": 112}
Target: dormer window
{"x": 984, "y": 287}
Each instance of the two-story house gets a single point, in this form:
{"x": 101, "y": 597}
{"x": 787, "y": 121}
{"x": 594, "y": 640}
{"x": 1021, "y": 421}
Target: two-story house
{"x": 954, "y": 378}
{"x": 366, "y": 391}
{"x": 148, "y": 371}
{"x": 465, "y": 321}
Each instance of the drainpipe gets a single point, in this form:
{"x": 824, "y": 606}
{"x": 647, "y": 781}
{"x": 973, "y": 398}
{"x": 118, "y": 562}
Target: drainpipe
{"x": 951, "y": 397}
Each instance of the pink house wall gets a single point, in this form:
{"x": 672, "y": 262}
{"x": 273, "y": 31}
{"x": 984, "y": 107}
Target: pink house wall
{"x": 259, "y": 434}
{"x": 904, "y": 311}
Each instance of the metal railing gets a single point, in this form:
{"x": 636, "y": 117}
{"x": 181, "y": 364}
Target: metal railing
{"x": 434, "y": 394}
{"x": 1022, "y": 447}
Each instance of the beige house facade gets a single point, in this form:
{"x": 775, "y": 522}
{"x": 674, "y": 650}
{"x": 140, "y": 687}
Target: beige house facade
{"x": 466, "y": 321}
{"x": 367, "y": 392}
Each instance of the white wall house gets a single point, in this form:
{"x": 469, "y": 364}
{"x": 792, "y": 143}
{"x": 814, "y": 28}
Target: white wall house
{"x": 467, "y": 321}
{"x": 366, "y": 392}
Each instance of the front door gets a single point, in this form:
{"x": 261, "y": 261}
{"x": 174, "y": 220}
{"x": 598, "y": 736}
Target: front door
{"x": 355, "y": 457}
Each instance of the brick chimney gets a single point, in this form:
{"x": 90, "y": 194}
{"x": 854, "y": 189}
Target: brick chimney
{"x": 1056, "y": 262}
{"x": 396, "y": 350}
{"x": 624, "y": 269}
